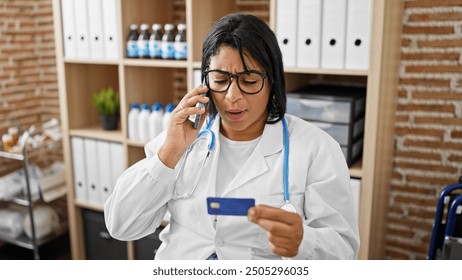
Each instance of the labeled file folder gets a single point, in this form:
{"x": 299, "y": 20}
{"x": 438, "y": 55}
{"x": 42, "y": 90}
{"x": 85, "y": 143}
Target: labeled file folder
{"x": 358, "y": 29}
{"x": 333, "y": 34}
{"x": 356, "y": 190}
{"x": 286, "y": 30}
{"x": 309, "y": 33}
{"x": 118, "y": 161}
{"x": 95, "y": 24}
{"x": 197, "y": 77}
{"x": 92, "y": 171}
{"x": 78, "y": 165}
{"x": 104, "y": 168}
{"x": 69, "y": 32}
{"x": 81, "y": 27}
{"x": 110, "y": 25}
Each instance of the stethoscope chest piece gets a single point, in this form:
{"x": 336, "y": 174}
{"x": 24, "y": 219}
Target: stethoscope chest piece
{"x": 289, "y": 208}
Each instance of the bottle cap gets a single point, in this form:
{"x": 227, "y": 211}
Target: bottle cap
{"x": 133, "y": 26}
{"x": 169, "y": 26}
{"x": 181, "y": 26}
{"x": 145, "y": 106}
{"x": 144, "y": 26}
{"x": 157, "y": 106}
{"x": 169, "y": 107}
{"x": 135, "y": 106}
{"x": 156, "y": 26}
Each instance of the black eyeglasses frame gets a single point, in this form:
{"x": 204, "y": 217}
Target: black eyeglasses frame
{"x": 233, "y": 76}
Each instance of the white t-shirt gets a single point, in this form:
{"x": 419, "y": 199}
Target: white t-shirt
{"x": 233, "y": 155}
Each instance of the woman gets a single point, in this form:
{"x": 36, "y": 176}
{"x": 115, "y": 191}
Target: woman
{"x": 243, "y": 72}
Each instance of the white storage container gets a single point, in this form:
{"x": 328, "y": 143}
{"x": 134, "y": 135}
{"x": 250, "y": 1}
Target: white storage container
{"x": 327, "y": 103}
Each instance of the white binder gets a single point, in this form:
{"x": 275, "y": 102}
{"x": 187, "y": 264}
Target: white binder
{"x": 333, "y": 34}
{"x": 95, "y": 22}
{"x": 286, "y": 30}
{"x": 81, "y": 27}
{"x": 197, "y": 77}
{"x": 104, "y": 168}
{"x": 309, "y": 33}
{"x": 78, "y": 165}
{"x": 358, "y": 28}
{"x": 91, "y": 164}
{"x": 118, "y": 162}
{"x": 356, "y": 190}
{"x": 69, "y": 32}
{"x": 110, "y": 25}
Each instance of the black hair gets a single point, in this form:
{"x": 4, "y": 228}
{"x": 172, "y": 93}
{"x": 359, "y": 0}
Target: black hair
{"x": 250, "y": 35}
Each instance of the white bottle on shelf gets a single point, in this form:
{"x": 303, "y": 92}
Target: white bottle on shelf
{"x": 155, "y": 120}
{"x": 143, "y": 123}
{"x": 133, "y": 122}
{"x": 166, "y": 118}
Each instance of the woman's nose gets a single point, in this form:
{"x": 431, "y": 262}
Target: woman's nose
{"x": 234, "y": 93}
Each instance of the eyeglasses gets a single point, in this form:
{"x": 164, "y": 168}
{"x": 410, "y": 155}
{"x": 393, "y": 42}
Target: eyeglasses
{"x": 250, "y": 82}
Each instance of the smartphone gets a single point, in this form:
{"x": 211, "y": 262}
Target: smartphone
{"x": 196, "y": 119}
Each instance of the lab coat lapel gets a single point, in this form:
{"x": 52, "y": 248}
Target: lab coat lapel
{"x": 214, "y": 157}
{"x": 270, "y": 143}
{"x": 212, "y": 179}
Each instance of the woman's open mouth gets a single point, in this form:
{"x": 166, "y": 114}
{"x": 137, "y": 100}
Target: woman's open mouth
{"x": 235, "y": 114}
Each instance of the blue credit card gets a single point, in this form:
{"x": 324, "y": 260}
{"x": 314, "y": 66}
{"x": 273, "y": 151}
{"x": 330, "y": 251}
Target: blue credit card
{"x": 229, "y": 206}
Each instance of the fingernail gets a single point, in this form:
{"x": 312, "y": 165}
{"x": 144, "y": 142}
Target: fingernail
{"x": 251, "y": 214}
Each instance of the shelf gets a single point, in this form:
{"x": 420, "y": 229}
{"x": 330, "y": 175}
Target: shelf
{"x": 46, "y": 196}
{"x": 297, "y": 70}
{"x": 11, "y": 155}
{"x": 21, "y": 199}
{"x": 342, "y": 72}
{"x": 90, "y": 206}
{"x": 96, "y": 132}
{"x": 91, "y": 61}
{"x": 136, "y": 143}
{"x": 155, "y": 63}
{"x": 29, "y": 151}
{"x": 24, "y": 241}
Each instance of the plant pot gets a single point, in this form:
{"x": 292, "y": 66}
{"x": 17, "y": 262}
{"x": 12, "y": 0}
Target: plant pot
{"x": 109, "y": 122}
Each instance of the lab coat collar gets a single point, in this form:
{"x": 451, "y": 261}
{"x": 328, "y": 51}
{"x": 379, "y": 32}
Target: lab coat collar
{"x": 271, "y": 142}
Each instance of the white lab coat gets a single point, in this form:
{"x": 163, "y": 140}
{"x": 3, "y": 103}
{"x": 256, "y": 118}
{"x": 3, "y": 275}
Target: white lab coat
{"x": 319, "y": 189}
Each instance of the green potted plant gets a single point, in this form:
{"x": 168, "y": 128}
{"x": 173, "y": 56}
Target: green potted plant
{"x": 106, "y": 102}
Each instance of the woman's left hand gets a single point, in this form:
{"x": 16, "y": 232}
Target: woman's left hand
{"x": 285, "y": 229}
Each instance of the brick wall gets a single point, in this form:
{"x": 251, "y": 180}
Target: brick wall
{"x": 28, "y": 81}
{"x": 428, "y": 137}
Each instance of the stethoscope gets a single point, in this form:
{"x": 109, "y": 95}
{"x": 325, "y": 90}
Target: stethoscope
{"x": 207, "y": 132}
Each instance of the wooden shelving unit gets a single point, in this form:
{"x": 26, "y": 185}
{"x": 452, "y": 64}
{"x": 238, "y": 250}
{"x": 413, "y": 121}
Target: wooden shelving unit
{"x": 148, "y": 81}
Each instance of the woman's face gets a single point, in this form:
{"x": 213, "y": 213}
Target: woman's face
{"x": 243, "y": 116}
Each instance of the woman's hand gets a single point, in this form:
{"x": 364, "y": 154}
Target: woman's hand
{"x": 180, "y": 131}
{"x": 285, "y": 229}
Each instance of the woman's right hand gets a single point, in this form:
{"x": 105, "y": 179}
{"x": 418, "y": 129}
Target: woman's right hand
{"x": 180, "y": 131}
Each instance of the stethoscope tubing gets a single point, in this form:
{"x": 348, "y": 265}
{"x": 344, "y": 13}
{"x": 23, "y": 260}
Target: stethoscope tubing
{"x": 211, "y": 146}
